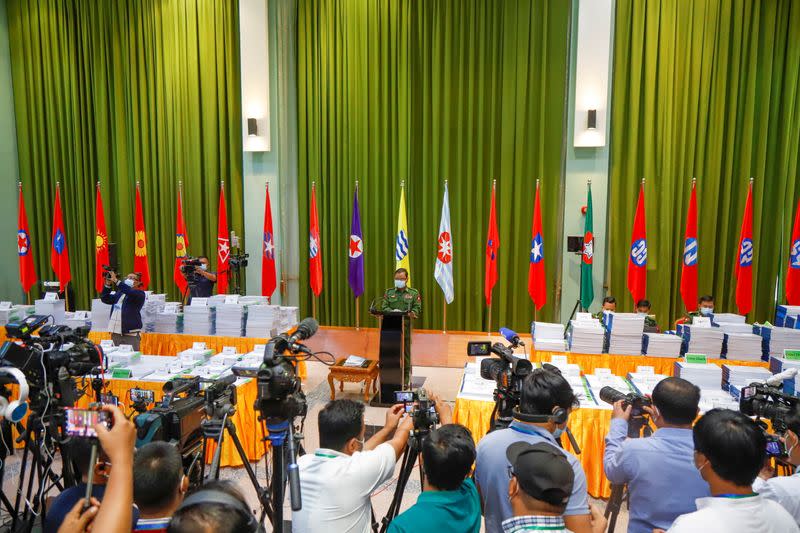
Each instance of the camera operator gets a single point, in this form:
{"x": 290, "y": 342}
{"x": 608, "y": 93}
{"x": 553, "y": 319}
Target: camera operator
{"x": 545, "y": 402}
{"x": 204, "y": 280}
{"x": 217, "y": 507}
{"x": 662, "y": 480}
{"x": 159, "y": 485}
{"x": 785, "y": 489}
{"x": 337, "y": 480}
{"x": 729, "y": 449}
{"x": 449, "y": 501}
{"x": 127, "y": 301}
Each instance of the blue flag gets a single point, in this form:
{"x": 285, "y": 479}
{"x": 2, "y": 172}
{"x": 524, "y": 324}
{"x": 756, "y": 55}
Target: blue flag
{"x": 355, "y": 252}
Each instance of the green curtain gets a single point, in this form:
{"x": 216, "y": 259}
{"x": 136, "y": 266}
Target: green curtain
{"x": 707, "y": 88}
{"x": 120, "y": 92}
{"x": 467, "y": 91}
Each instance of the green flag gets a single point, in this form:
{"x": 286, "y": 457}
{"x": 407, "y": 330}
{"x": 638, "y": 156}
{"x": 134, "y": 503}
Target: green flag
{"x": 587, "y": 258}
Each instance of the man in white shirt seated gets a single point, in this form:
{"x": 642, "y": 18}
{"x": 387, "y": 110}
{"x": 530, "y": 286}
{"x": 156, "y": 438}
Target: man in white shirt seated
{"x": 336, "y": 481}
{"x": 729, "y": 449}
{"x": 785, "y": 489}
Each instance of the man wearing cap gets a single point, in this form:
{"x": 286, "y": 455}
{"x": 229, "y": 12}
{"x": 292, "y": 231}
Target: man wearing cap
{"x": 545, "y": 402}
{"x": 540, "y": 488}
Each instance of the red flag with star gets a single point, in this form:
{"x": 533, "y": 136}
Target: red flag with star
{"x": 744, "y": 261}
{"x": 59, "y": 254}
{"x": 140, "y": 243}
{"x": 269, "y": 280}
{"x": 27, "y": 271}
{"x": 537, "y": 285}
{"x": 181, "y": 246}
{"x": 223, "y": 245}
{"x": 100, "y": 241}
{"x": 492, "y": 246}
{"x": 314, "y": 247}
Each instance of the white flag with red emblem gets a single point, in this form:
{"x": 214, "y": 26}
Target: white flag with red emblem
{"x": 444, "y": 255}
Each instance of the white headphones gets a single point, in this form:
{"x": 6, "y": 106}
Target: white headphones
{"x": 16, "y": 409}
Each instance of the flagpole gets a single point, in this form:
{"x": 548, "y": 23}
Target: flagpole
{"x": 444, "y": 315}
{"x": 358, "y": 325}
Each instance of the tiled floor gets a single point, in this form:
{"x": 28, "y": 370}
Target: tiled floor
{"x": 443, "y": 381}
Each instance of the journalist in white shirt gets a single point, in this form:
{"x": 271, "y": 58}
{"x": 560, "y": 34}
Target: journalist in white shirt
{"x": 336, "y": 481}
{"x": 785, "y": 489}
{"x": 729, "y": 450}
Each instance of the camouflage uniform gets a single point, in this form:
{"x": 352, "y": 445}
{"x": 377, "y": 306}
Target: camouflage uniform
{"x": 407, "y": 299}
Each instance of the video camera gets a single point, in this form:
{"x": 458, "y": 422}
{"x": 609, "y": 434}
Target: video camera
{"x": 764, "y": 401}
{"x": 175, "y": 419}
{"x": 420, "y": 408}
{"x": 189, "y": 264}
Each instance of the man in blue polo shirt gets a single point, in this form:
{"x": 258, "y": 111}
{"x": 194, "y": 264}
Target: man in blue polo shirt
{"x": 662, "y": 480}
{"x": 545, "y": 403}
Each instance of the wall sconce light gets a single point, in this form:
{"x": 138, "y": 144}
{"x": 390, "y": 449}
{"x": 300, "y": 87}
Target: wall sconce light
{"x": 252, "y": 127}
{"x": 591, "y": 121}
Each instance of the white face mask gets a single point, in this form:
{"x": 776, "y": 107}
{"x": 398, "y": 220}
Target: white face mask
{"x": 129, "y": 282}
{"x": 706, "y": 311}
{"x": 400, "y": 283}
{"x": 558, "y": 432}
{"x": 203, "y": 266}
{"x": 641, "y": 313}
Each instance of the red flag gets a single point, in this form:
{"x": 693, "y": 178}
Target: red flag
{"x": 492, "y": 246}
{"x": 181, "y": 246}
{"x": 100, "y": 241}
{"x": 140, "y": 243}
{"x": 27, "y": 272}
{"x": 637, "y": 262}
{"x": 690, "y": 248}
{"x": 268, "y": 278}
{"x": 59, "y": 254}
{"x": 793, "y": 273}
{"x": 537, "y": 284}
{"x": 744, "y": 261}
{"x": 223, "y": 245}
{"x": 314, "y": 247}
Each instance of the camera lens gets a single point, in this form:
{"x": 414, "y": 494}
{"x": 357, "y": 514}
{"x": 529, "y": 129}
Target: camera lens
{"x": 611, "y": 395}
{"x": 491, "y": 368}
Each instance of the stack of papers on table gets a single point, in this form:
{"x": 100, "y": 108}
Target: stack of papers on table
{"x": 548, "y": 337}
{"x": 644, "y": 382}
{"x": 473, "y": 386}
{"x": 704, "y": 340}
{"x": 195, "y": 354}
{"x": 230, "y": 319}
{"x": 77, "y": 319}
{"x": 225, "y": 358}
{"x": 54, "y": 308}
{"x": 776, "y": 339}
{"x": 586, "y": 336}
{"x": 262, "y": 320}
{"x": 153, "y": 305}
{"x": 101, "y": 313}
{"x": 717, "y": 399}
{"x": 198, "y": 320}
{"x": 625, "y": 333}
{"x": 741, "y": 376}
{"x": 15, "y": 313}
{"x": 169, "y": 320}
{"x": 728, "y": 318}
{"x": 743, "y": 346}
{"x": 661, "y": 345}
{"x": 354, "y": 361}
{"x": 783, "y": 311}
{"x": 705, "y": 376}
{"x": 287, "y": 318}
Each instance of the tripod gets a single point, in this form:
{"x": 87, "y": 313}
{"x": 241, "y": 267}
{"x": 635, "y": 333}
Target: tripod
{"x": 285, "y": 443}
{"x": 410, "y": 455}
{"x": 637, "y": 426}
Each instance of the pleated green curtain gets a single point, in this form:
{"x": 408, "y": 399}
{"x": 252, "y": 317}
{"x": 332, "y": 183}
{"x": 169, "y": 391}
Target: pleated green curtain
{"x": 464, "y": 91}
{"x": 707, "y": 88}
{"x": 120, "y": 92}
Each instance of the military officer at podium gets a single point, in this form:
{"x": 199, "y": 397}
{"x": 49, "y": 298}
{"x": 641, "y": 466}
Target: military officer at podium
{"x": 403, "y": 298}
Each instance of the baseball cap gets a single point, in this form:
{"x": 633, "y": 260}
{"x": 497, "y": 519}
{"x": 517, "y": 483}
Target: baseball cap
{"x": 542, "y": 471}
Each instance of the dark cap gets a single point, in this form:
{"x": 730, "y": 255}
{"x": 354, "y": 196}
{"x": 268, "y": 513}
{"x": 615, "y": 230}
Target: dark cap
{"x": 542, "y": 471}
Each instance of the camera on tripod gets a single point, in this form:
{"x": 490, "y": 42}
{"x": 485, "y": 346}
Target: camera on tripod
{"x": 238, "y": 260}
{"x": 422, "y": 410}
{"x": 764, "y": 401}
{"x": 176, "y": 419}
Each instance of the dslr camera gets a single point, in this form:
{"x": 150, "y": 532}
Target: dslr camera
{"x": 420, "y": 408}
{"x": 637, "y": 401}
{"x": 108, "y": 270}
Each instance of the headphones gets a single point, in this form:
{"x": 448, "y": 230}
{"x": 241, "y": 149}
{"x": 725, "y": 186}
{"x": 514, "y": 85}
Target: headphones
{"x": 16, "y": 410}
{"x": 205, "y": 496}
{"x": 558, "y": 416}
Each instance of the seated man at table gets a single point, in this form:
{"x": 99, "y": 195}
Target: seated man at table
{"x": 705, "y": 307}
{"x": 662, "y": 480}
{"x": 643, "y": 308}
{"x": 546, "y": 400}
{"x": 609, "y": 304}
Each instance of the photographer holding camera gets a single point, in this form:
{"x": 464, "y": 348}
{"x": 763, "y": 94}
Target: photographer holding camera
{"x": 785, "y": 489}
{"x": 729, "y": 450}
{"x": 338, "y": 479}
{"x": 546, "y": 400}
{"x": 202, "y": 279}
{"x": 662, "y": 480}
{"x": 126, "y": 301}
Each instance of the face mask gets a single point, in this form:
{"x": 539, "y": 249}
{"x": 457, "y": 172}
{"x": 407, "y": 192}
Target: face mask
{"x": 399, "y": 283}
{"x": 706, "y": 311}
{"x": 203, "y": 266}
{"x": 129, "y": 282}
{"x": 700, "y": 469}
{"x": 641, "y": 313}
{"x": 558, "y": 432}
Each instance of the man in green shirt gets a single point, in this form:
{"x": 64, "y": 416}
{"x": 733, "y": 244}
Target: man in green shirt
{"x": 403, "y": 298}
{"x": 643, "y": 308}
{"x": 449, "y": 501}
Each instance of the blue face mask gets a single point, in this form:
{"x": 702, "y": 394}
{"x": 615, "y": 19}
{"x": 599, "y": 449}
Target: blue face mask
{"x": 706, "y": 311}
{"x": 558, "y": 432}
{"x": 129, "y": 282}
{"x": 203, "y": 266}
{"x": 400, "y": 284}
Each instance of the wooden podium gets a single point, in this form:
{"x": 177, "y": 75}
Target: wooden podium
{"x": 391, "y": 355}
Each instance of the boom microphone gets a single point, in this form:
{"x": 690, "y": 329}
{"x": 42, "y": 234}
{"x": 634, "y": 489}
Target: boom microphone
{"x": 512, "y": 337}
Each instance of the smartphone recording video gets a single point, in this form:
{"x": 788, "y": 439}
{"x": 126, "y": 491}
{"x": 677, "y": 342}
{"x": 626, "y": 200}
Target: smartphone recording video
{"x": 80, "y": 422}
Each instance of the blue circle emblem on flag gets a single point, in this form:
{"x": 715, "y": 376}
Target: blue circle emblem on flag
{"x": 639, "y": 252}
{"x": 690, "y": 252}
{"x": 23, "y": 243}
{"x": 794, "y": 261}
{"x": 313, "y": 248}
{"x": 746, "y": 253}
{"x": 537, "y": 249}
{"x": 58, "y": 241}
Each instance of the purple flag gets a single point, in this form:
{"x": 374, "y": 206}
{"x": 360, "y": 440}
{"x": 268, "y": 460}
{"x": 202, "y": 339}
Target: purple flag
{"x": 355, "y": 251}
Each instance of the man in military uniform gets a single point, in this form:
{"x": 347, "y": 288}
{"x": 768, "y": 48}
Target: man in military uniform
{"x": 609, "y": 304}
{"x": 705, "y": 307}
{"x": 643, "y": 308}
{"x": 403, "y": 298}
